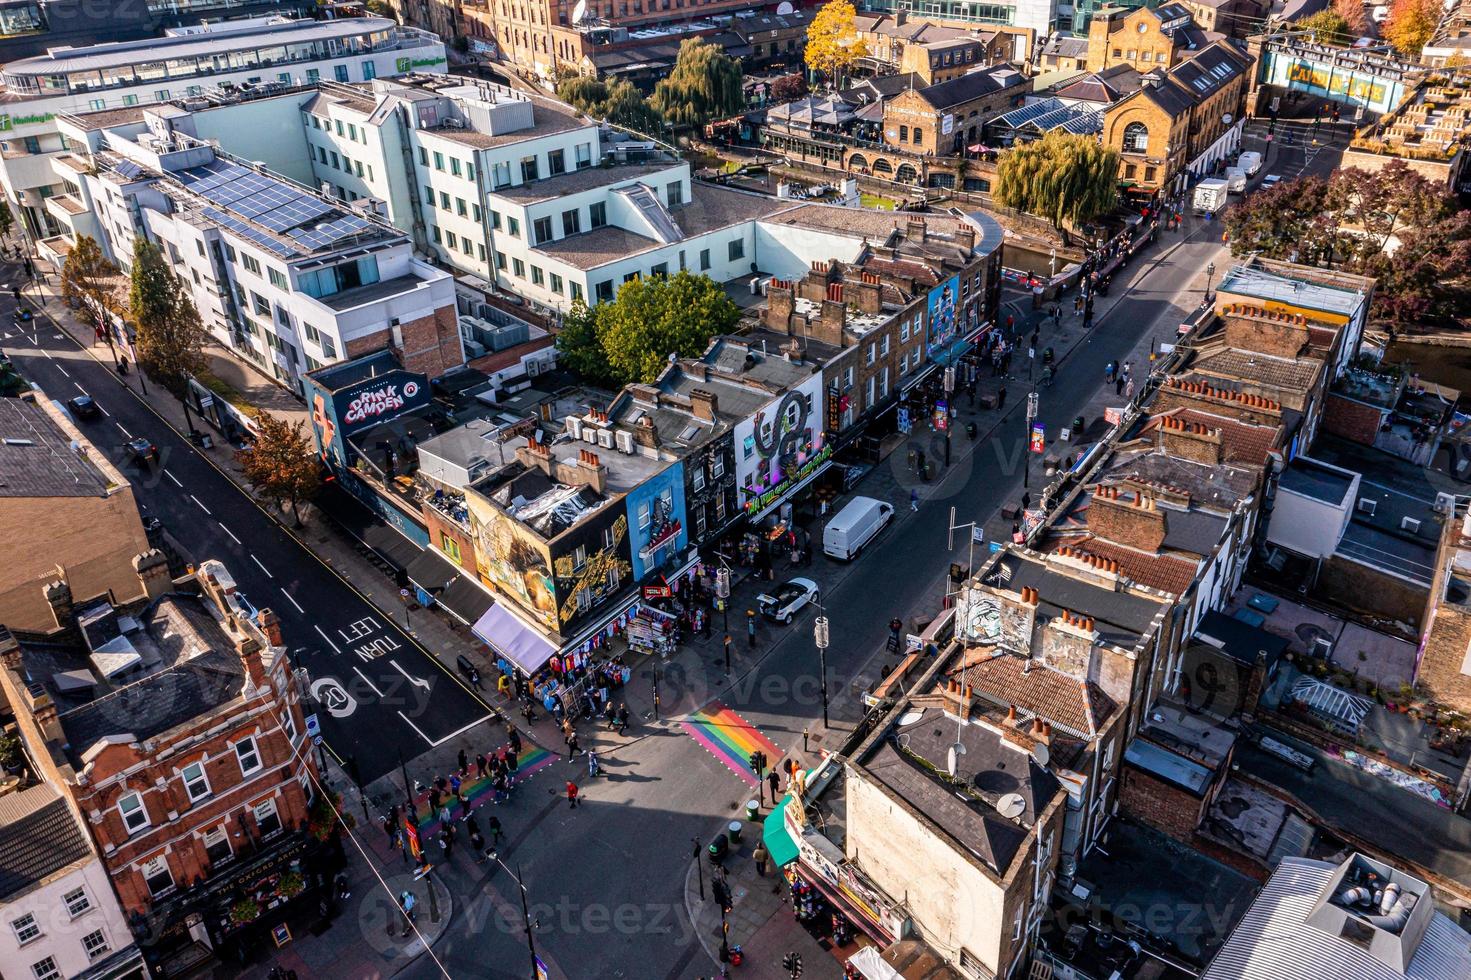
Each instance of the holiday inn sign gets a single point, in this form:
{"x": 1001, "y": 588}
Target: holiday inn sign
{"x": 9, "y": 122}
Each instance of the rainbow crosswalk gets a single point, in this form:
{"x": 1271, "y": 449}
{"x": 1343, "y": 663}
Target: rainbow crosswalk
{"x": 532, "y": 759}
{"x": 730, "y": 738}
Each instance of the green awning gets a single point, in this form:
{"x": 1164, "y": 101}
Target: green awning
{"x": 779, "y": 843}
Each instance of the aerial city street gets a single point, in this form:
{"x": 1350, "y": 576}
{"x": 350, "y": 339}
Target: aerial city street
{"x": 777, "y": 490}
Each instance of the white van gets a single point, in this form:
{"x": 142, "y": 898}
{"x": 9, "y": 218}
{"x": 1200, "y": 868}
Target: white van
{"x": 854, "y": 526}
{"x": 1250, "y": 161}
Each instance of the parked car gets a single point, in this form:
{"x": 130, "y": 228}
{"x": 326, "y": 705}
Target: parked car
{"x": 1250, "y": 161}
{"x": 141, "y": 451}
{"x": 1271, "y": 180}
{"x": 83, "y": 407}
{"x": 789, "y": 599}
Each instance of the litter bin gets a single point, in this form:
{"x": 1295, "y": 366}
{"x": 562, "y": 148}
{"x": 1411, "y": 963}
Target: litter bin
{"x": 734, "y": 831}
{"x": 1077, "y": 426}
{"x": 753, "y": 809}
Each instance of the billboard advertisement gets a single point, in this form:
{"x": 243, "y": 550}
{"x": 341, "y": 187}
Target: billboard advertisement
{"x": 943, "y": 316}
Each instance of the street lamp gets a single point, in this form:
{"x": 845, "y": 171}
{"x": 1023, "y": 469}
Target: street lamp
{"x": 1210, "y": 272}
{"x": 722, "y": 592}
{"x": 820, "y": 637}
{"x": 949, "y": 385}
{"x": 1027, "y": 444}
{"x": 525, "y": 914}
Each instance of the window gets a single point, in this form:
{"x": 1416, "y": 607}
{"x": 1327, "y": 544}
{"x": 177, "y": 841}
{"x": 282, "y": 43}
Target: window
{"x": 495, "y": 220}
{"x": 556, "y": 162}
{"x": 328, "y": 348}
{"x": 584, "y": 155}
{"x": 574, "y": 290}
{"x": 518, "y": 268}
{"x": 46, "y": 969}
{"x": 130, "y": 100}
{"x": 135, "y": 816}
{"x": 884, "y": 346}
{"x": 443, "y": 201}
{"x": 1149, "y": 173}
{"x": 97, "y": 104}
{"x": 278, "y": 278}
{"x": 479, "y": 248}
{"x": 77, "y": 902}
{"x": 340, "y": 72}
{"x": 423, "y": 156}
{"x": 336, "y": 162}
{"x": 501, "y": 175}
{"x": 918, "y": 136}
{"x": 868, "y": 397}
{"x": 704, "y": 260}
{"x": 259, "y": 304}
{"x": 529, "y": 171}
{"x": 248, "y": 755}
{"x": 1136, "y": 138}
{"x": 157, "y": 877}
{"x": 675, "y": 193}
{"x": 513, "y": 227}
{"x": 454, "y": 166}
{"x": 95, "y": 943}
{"x": 697, "y": 475}
{"x": 884, "y": 383}
{"x": 469, "y": 170}
{"x": 1129, "y": 171}
{"x": 903, "y": 134}
{"x": 196, "y": 783}
{"x": 461, "y": 208}
{"x": 603, "y": 291}
{"x": 541, "y": 231}
{"x": 556, "y": 284}
{"x": 438, "y": 161}
{"x": 736, "y": 249}
{"x": 266, "y": 819}
{"x": 352, "y": 132}
{"x": 475, "y": 213}
{"x": 26, "y": 928}
{"x": 537, "y": 277}
{"x": 872, "y": 354}
{"x": 659, "y": 271}
{"x": 434, "y": 233}
{"x": 250, "y": 263}
{"x": 217, "y": 845}
{"x": 597, "y": 214}
{"x": 848, "y": 378}
{"x": 571, "y": 222}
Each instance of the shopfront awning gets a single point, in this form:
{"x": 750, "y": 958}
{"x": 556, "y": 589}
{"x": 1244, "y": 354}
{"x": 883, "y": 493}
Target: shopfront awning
{"x": 868, "y": 962}
{"x": 431, "y": 571}
{"x": 513, "y": 639}
{"x": 774, "y": 835}
{"x": 465, "y": 600}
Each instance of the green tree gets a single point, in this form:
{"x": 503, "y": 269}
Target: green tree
{"x": 170, "y": 336}
{"x": 87, "y": 281}
{"x": 1067, "y": 179}
{"x": 7, "y": 219}
{"x": 626, "y": 106}
{"x": 833, "y": 44}
{"x": 1330, "y": 26}
{"x": 582, "y": 92}
{"x": 630, "y": 339}
{"x": 281, "y": 464}
{"x": 704, "y": 84}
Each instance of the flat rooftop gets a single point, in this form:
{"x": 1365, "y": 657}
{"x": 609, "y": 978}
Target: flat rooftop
{"x": 39, "y": 459}
{"x": 1308, "y": 478}
{"x": 1257, "y": 283}
{"x": 577, "y": 181}
{"x": 1121, "y": 618}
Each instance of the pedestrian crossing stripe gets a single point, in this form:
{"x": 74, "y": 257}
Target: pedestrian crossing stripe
{"x": 531, "y": 760}
{"x": 730, "y": 738}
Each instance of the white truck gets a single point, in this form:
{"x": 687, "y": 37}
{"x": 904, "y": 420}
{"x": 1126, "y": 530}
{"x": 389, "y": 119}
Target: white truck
{"x": 1211, "y": 196}
{"x": 854, "y": 526}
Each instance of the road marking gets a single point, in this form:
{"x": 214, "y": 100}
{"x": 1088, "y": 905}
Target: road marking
{"x": 412, "y": 679}
{"x": 416, "y": 728}
{"x": 370, "y": 684}
{"x": 293, "y": 601}
{"x": 201, "y": 504}
{"x": 461, "y": 731}
{"x": 228, "y": 531}
{"x": 266, "y": 570}
{"x": 327, "y": 638}
{"x": 48, "y": 354}
{"x": 63, "y": 371}
{"x": 174, "y": 478}
{"x": 105, "y": 412}
{"x": 80, "y": 388}
{"x": 124, "y": 431}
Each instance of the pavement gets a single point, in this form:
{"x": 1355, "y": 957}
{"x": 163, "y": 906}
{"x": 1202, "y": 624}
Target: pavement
{"x": 606, "y": 883}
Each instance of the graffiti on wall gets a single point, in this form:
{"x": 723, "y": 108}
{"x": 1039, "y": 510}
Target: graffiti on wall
{"x": 600, "y": 575}
{"x": 511, "y": 561}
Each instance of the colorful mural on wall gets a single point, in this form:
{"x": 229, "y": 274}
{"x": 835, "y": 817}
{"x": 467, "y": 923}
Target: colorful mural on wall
{"x": 943, "y": 316}
{"x": 601, "y": 574}
{"x": 780, "y": 445}
{"x": 512, "y": 561}
{"x": 656, "y": 515}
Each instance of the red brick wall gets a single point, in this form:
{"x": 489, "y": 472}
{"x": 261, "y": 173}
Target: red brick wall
{"x": 1351, "y": 420}
{"x": 1160, "y": 805}
{"x": 431, "y": 344}
{"x": 1367, "y": 590}
{"x": 438, "y": 527}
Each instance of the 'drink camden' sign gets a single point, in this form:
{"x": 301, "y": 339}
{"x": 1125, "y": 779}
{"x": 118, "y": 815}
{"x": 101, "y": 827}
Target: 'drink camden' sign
{"x": 381, "y": 399}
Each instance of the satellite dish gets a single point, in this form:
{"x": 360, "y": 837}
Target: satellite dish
{"x": 579, "y": 12}
{"x": 1041, "y": 753}
{"x": 1011, "y": 806}
{"x": 952, "y": 758}
{"x": 783, "y": 8}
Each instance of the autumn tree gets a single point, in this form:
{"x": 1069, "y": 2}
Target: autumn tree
{"x": 704, "y": 84}
{"x": 1330, "y": 26}
{"x": 833, "y": 45}
{"x": 1069, "y": 180}
{"x": 1352, "y": 12}
{"x": 281, "y": 465}
{"x": 1427, "y": 279}
{"x": 789, "y": 88}
{"x": 87, "y": 281}
{"x": 170, "y": 338}
{"x": 1410, "y": 24}
{"x": 631, "y": 338}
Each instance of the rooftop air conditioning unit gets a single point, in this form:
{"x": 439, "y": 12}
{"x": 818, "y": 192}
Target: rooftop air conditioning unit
{"x": 590, "y": 434}
{"x": 1367, "y": 506}
{"x": 574, "y": 427}
{"x": 625, "y": 441}
{"x": 1445, "y": 503}
{"x": 1411, "y": 524}
{"x": 605, "y": 438}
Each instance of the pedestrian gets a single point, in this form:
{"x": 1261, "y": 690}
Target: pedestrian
{"x": 448, "y": 843}
{"x": 1129, "y": 390}
{"x": 573, "y": 748}
{"x": 480, "y": 764}
{"x": 1118, "y": 385}
{"x": 1000, "y": 397}
{"x": 475, "y": 678}
{"x": 914, "y": 500}
{"x": 406, "y": 903}
{"x": 751, "y": 627}
{"x": 454, "y": 783}
{"x": 1109, "y": 370}
{"x": 1026, "y": 500}
{"x": 1128, "y": 369}
{"x": 571, "y": 794}
{"x": 464, "y": 762}
{"x": 391, "y": 829}
{"x": 444, "y": 814}
{"x": 610, "y": 711}
{"x": 622, "y": 718}
{"x": 434, "y": 798}
{"x": 804, "y": 738}
{"x": 567, "y": 729}
{"x": 759, "y": 855}
{"x": 773, "y": 779}
{"x": 494, "y": 825}
{"x": 513, "y": 738}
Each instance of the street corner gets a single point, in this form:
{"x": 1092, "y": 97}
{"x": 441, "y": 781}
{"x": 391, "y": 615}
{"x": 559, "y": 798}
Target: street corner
{"x": 381, "y": 925}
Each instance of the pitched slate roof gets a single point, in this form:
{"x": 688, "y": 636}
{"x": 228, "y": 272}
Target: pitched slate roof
{"x": 38, "y": 837}
{"x": 1037, "y": 689}
{"x": 37, "y": 458}
{"x": 970, "y": 86}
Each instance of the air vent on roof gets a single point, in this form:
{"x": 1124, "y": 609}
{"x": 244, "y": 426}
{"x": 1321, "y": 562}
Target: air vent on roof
{"x": 1445, "y": 503}
{"x": 1367, "y": 506}
{"x": 605, "y": 438}
{"x": 19, "y": 442}
{"x": 1411, "y": 524}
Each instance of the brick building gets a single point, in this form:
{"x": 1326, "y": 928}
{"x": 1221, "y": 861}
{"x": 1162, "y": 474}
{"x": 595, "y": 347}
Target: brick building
{"x": 57, "y": 487}
{"x": 1145, "y": 38}
{"x": 945, "y": 118}
{"x": 175, "y": 731}
{"x": 1445, "y": 664}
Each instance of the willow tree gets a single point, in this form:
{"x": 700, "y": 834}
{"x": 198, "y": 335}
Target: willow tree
{"x": 833, "y": 45}
{"x": 1069, "y": 180}
{"x": 704, "y": 84}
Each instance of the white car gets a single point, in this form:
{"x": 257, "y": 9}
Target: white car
{"x": 1271, "y": 180}
{"x": 789, "y": 599}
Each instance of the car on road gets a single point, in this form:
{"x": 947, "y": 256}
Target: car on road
{"x": 246, "y": 606}
{"x": 83, "y": 407}
{"x": 141, "y": 451}
{"x": 787, "y": 599}
{"x": 1271, "y": 180}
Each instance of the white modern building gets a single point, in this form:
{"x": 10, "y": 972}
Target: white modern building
{"x": 61, "y": 917}
{"x": 188, "y": 62}
{"x": 288, "y": 278}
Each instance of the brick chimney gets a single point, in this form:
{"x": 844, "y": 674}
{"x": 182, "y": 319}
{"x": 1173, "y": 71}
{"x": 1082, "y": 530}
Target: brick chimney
{"x": 828, "y": 328}
{"x": 592, "y": 471}
{"x": 535, "y": 456}
{"x": 1136, "y": 523}
{"x": 1256, "y": 329}
{"x": 703, "y": 404}
{"x": 1067, "y": 644}
{"x": 814, "y": 284}
{"x": 248, "y": 649}
{"x": 1190, "y": 440}
{"x": 270, "y": 627}
{"x": 868, "y": 293}
{"x": 780, "y": 301}
{"x": 153, "y": 572}
{"x": 59, "y": 598}
{"x": 914, "y": 230}
{"x": 9, "y": 649}
{"x": 1104, "y": 572}
{"x": 645, "y": 434}
{"x": 965, "y": 236}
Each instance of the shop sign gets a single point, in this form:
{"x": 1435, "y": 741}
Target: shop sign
{"x": 905, "y": 425}
{"x": 9, "y": 122}
{"x": 834, "y": 409}
{"x": 848, "y": 883}
{"x": 370, "y": 404}
{"x": 404, "y": 64}
{"x": 658, "y": 590}
{"x": 1039, "y": 438}
{"x": 758, "y": 504}
{"x": 942, "y": 415}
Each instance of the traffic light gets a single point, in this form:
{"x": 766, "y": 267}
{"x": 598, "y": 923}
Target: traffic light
{"x": 793, "y": 963}
{"x": 755, "y": 761}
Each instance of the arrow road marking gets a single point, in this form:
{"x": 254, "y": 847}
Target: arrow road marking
{"x": 293, "y": 601}
{"x": 412, "y": 679}
{"x": 327, "y": 638}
